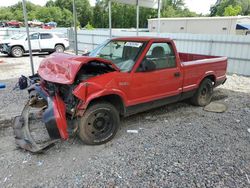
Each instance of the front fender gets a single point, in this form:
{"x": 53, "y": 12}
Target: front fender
{"x": 89, "y": 91}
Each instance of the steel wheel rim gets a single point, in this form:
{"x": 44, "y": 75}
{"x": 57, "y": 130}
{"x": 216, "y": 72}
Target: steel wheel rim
{"x": 205, "y": 93}
{"x": 100, "y": 125}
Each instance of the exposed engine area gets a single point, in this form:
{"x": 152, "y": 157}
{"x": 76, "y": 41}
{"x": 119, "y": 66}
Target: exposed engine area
{"x": 87, "y": 71}
{"x": 92, "y": 69}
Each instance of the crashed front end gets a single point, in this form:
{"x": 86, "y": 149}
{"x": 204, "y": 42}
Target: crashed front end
{"x": 59, "y": 95}
{"x": 53, "y": 113}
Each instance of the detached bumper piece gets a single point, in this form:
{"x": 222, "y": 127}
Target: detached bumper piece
{"x": 23, "y": 137}
{"x": 53, "y": 113}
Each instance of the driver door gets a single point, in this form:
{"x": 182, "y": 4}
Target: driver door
{"x": 34, "y": 40}
{"x": 163, "y": 82}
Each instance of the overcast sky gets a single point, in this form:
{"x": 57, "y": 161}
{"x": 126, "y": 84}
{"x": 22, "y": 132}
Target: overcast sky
{"x": 199, "y": 6}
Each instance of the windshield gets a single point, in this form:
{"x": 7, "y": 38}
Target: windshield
{"x": 122, "y": 53}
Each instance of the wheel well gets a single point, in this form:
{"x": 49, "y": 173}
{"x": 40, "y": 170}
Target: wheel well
{"x": 18, "y": 46}
{"x": 212, "y": 78}
{"x": 60, "y": 44}
{"x": 115, "y": 100}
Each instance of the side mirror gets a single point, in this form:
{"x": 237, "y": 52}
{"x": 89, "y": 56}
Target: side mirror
{"x": 148, "y": 65}
{"x": 85, "y": 52}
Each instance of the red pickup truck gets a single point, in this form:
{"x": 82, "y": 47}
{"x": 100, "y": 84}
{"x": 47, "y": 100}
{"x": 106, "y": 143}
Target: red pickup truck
{"x": 123, "y": 76}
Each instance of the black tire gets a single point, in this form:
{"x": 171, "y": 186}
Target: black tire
{"x": 203, "y": 95}
{"x": 16, "y": 51}
{"x": 59, "y": 48}
{"x": 99, "y": 124}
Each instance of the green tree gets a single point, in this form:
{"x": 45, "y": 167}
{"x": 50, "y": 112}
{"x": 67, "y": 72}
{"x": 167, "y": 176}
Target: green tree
{"x": 47, "y": 14}
{"x": 245, "y": 6}
{"x": 63, "y": 17}
{"x": 50, "y": 3}
{"x": 6, "y": 14}
{"x": 175, "y": 8}
{"x": 17, "y": 11}
{"x": 89, "y": 26}
{"x": 67, "y": 18}
{"x": 230, "y": 7}
{"x": 232, "y": 11}
{"x": 84, "y": 10}
{"x": 100, "y": 18}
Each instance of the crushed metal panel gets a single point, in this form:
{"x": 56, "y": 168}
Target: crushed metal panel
{"x": 23, "y": 136}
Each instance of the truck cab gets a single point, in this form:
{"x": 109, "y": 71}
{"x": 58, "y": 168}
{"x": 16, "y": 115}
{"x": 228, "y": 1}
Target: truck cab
{"x": 151, "y": 68}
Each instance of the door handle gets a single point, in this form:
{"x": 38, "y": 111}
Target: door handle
{"x": 177, "y": 74}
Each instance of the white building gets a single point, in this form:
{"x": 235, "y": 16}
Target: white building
{"x": 201, "y": 25}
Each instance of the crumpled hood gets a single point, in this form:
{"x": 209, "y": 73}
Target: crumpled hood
{"x": 63, "y": 68}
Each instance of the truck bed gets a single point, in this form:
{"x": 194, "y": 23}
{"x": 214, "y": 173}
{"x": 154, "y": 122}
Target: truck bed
{"x": 184, "y": 57}
{"x": 197, "y": 66}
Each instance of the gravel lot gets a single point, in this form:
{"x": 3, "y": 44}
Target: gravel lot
{"x": 178, "y": 145}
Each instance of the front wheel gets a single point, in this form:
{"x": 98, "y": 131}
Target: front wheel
{"x": 99, "y": 124}
{"x": 204, "y": 94}
{"x": 17, "y": 51}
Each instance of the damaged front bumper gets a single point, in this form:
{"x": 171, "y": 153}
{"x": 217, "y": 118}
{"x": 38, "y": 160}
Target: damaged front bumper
{"x": 53, "y": 116}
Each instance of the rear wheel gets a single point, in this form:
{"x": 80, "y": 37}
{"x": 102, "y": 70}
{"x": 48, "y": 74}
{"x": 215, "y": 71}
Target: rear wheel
{"x": 99, "y": 124}
{"x": 59, "y": 48}
{"x": 17, "y": 51}
{"x": 204, "y": 94}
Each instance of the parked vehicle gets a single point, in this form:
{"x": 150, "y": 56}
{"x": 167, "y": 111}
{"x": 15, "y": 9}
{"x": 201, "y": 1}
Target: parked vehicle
{"x": 14, "y": 24}
{"x": 3, "y": 24}
{"x": 40, "y": 42}
{"x": 88, "y": 94}
{"x": 35, "y": 23}
{"x": 49, "y": 25}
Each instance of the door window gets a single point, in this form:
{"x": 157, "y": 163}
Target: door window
{"x": 45, "y": 36}
{"x": 34, "y": 36}
{"x": 162, "y": 55}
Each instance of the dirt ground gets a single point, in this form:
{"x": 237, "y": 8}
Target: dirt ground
{"x": 178, "y": 145}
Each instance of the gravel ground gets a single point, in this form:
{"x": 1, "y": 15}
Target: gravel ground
{"x": 178, "y": 145}
{"x": 14, "y": 67}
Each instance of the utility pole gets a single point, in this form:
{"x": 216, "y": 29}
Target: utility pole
{"x": 137, "y": 17}
{"x": 159, "y": 16}
{"x": 75, "y": 26}
{"x": 110, "y": 20}
{"x": 28, "y": 36}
